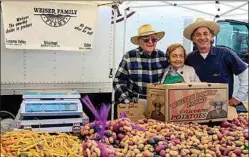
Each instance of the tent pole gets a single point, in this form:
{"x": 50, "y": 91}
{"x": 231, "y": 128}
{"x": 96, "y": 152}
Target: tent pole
{"x": 177, "y": 5}
{"x": 112, "y": 3}
{"x": 113, "y": 58}
{"x": 172, "y": 4}
{"x": 125, "y": 14}
{"x": 182, "y": 4}
{"x": 149, "y": 6}
{"x": 228, "y": 5}
{"x": 234, "y": 9}
{"x": 239, "y": 14}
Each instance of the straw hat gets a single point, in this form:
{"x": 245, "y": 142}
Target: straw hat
{"x": 200, "y": 22}
{"x": 146, "y": 30}
{"x": 217, "y": 100}
{"x": 158, "y": 103}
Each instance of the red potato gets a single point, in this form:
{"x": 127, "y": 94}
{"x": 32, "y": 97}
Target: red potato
{"x": 237, "y": 151}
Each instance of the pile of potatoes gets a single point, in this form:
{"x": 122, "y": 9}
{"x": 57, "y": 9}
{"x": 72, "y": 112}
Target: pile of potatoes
{"x": 150, "y": 138}
{"x": 245, "y": 115}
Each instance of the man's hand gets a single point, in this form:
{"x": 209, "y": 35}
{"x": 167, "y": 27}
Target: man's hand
{"x": 246, "y": 54}
{"x": 131, "y": 103}
{"x": 128, "y": 102}
{"x": 233, "y": 102}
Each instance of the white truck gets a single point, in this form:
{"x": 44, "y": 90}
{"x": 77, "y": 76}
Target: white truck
{"x": 92, "y": 72}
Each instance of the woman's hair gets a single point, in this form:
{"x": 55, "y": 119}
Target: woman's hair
{"x": 173, "y": 47}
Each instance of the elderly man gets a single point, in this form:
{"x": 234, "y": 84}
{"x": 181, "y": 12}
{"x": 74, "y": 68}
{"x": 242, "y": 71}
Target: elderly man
{"x": 140, "y": 66}
{"x": 215, "y": 64}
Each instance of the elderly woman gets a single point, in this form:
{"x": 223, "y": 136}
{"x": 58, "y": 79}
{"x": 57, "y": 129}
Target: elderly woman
{"x": 177, "y": 71}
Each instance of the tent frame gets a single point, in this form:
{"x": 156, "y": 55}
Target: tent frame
{"x": 217, "y": 3}
{"x": 166, "y": 3}
{"x": 115, "y": 8}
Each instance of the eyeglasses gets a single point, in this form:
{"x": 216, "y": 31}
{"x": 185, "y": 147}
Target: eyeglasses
{"x": 147, "y": 39}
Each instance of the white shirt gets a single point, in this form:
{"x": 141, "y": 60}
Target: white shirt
{"x": 243, "y": 86}
{"x": 204, "y": 55}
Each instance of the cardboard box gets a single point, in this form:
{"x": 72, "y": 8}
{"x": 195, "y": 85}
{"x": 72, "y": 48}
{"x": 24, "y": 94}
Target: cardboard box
{"x": 133, "y": 111}
{"x": 245, "y": 104}
{"x": 188, "y": 102}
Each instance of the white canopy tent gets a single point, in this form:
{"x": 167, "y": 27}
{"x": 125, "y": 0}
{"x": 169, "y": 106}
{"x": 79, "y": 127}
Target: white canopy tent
{"x": 208, "y": 9}
{"x": 99, "y": 3}
{"x": 212, "y": 10}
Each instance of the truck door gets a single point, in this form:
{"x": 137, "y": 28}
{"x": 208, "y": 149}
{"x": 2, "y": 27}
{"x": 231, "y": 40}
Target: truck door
{"x": 234, "y": 34}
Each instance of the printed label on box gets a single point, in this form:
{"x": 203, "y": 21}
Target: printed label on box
{"x": 133, "y": 111}
{"x": 196, "y": 104}
{"x": 156, "y": 104}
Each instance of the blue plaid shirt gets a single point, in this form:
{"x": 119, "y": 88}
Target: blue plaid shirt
{"x": 135, "y": 71}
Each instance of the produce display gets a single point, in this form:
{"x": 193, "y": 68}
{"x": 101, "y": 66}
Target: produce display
{"x": 245, "y": 115}
{"x": 36, "y": 144}
{"x": 124, "y": 138}
{"x": 150, "y": 138}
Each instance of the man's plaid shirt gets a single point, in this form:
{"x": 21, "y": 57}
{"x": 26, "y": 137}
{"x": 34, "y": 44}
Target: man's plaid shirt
{"x": 135, "y": 71}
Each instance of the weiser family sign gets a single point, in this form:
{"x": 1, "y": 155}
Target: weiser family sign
{"x": 49, "y": 25}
